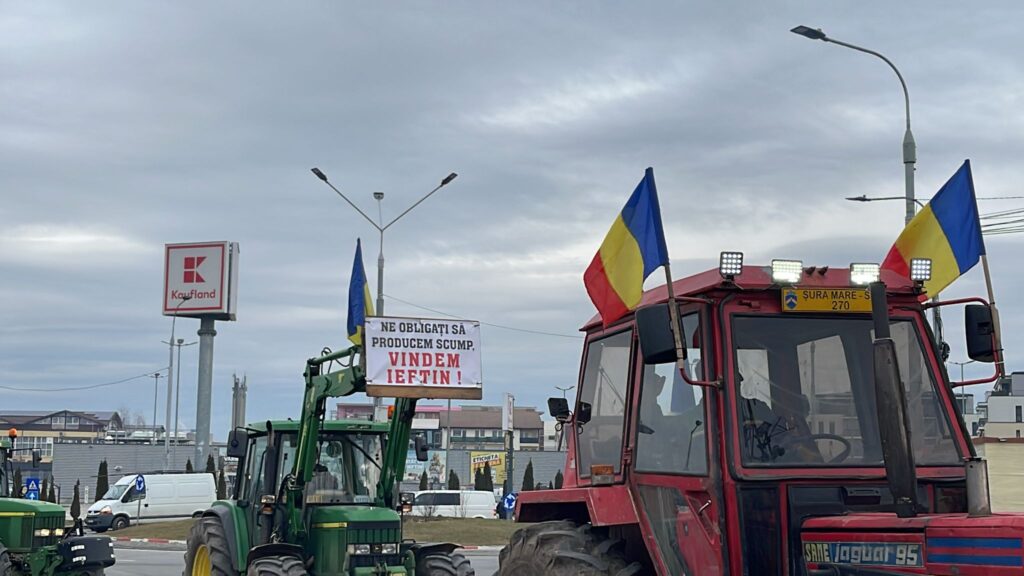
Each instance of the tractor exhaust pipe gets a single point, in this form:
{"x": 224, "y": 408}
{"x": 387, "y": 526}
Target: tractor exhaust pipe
{"x": 978, "y": 501}
{"x": 891, "y": 408}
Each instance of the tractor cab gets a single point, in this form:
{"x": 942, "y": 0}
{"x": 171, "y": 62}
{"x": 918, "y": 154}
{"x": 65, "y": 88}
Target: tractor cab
{"x": 774, "y": 418}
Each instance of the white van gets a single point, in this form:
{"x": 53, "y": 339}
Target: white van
{"x": 167, "y": 497}
{"x": 455, "y": 504}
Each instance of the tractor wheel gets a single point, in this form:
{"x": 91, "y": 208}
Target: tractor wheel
{"x": 453, "y": 564}
{"x": 277, "y": 566}
{"x": 563, "y": 548}
{"x": 6, "y": 568}
{"x": 207, "y": 552}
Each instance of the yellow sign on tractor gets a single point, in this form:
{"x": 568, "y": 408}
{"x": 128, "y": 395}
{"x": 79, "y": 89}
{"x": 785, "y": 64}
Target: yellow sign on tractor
{"x": 826, "y": 300}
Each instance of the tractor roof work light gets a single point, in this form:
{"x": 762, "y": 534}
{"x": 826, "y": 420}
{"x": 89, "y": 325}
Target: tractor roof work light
{"x": 862, "y": 274}
{"x": 730, "y": 264}
{"x": 787, "y": 271}
{"x": 920, "y": 269}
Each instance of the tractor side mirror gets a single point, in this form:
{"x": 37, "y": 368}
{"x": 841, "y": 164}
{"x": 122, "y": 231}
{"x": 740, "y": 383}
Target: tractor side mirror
{"x": 421, "y": 449}
{"x": 654, "y": 327}
{"x": 37, "y": 457}
{"x": 583, "y": 414}
{"x": 559, "y": 409}
{"x": 238, "y": 443}
{"x": 979, "y": 331}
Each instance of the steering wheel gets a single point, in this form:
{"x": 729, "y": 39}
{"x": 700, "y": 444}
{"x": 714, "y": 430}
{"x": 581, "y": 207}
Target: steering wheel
{"x": 847, "y": 447}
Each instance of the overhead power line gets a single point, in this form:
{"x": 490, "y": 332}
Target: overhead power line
{"x": 86, "y": 387}
{"x": 457, "y": 317}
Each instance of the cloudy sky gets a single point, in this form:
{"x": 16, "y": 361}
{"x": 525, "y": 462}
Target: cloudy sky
{"x": 128, "y": 125}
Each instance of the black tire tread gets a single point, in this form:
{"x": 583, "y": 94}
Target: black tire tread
{"x": 207, "y": 530}
{"x": 453, "y": 564}
{"x": 6, "y": 567}
{"x": 562, "y": 548}
{"x": 277, "y": 566}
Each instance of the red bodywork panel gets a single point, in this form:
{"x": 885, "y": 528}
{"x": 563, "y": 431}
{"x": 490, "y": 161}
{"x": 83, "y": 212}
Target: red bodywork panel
{"x": 949, "y": 544}
{"x": 607, "y": 506}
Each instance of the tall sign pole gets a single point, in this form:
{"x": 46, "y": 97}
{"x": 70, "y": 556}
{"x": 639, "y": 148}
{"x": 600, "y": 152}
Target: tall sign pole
{"x": 508, "y": 425}
{"x": 206, "y": 276}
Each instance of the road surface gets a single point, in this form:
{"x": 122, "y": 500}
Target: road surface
{"x": 133, "y": 562}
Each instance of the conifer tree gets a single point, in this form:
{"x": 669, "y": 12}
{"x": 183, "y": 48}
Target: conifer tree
{"x": 453, "y": 480}
{"x": 102, "y": 481}
{"x": 222, "y": 487}
{"x": 423, "y": 480}
{"x": 559, "y": 480}
{"x": 528, "y": 481}
{"x": 76, "y": 504}
{"x": 188, "y": 466}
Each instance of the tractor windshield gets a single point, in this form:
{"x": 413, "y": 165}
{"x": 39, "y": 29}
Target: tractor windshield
{"x": 347, "y": 468}
{"x": 805, "y": 393}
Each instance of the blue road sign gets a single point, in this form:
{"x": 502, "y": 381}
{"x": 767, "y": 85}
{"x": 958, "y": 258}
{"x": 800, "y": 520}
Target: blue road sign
{"x": 32, "y": 488}
{"x": 140, "y": 484}
{"x": 510, "y": 501}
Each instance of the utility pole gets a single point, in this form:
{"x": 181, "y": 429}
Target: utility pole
{"x": 156, "y": 389}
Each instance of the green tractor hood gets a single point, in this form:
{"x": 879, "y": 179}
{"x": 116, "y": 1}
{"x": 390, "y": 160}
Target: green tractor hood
{"x": 336, "y": 530}
{"x": 19, "y": 519}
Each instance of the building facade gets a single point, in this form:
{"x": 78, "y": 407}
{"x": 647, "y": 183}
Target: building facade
{"x": 40, "y": 430}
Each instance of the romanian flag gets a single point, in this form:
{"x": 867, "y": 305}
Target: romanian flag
{"x": 360, "y": 304}
{"x": 633, "y": 248}
{"x": 947, "y": 230}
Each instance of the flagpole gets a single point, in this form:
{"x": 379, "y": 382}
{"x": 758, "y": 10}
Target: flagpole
{"x": 673, "y": 311}
{"x": 1000, "y": 365}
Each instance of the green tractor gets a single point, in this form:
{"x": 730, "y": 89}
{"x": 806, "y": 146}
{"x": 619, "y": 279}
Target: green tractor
{"x": 316, "y": 497}
{"x": 33, "y": 540}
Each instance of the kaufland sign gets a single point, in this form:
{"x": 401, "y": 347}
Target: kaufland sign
{"x": 201, "y": 279}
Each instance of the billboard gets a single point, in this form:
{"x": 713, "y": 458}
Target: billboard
{"x": 437, "y": 473}
{"x": 479, "y": 460}
{"x": 201, "y": 280}
{"x": 423, "y": 358}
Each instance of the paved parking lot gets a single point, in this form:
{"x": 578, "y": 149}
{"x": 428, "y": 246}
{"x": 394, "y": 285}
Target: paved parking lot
{"x": 162, "y": 562}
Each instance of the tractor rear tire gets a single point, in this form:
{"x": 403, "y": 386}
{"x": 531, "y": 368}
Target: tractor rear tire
{"x": 207, "y": 543}
{"x": 277, "y": 566}
{"x": 453, "y": 564}
{"x": 563, "y": 548}
{"x": 6, "y": 568}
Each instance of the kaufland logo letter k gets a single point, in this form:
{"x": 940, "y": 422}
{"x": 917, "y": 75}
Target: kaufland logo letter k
{"x": 192, "y": 264}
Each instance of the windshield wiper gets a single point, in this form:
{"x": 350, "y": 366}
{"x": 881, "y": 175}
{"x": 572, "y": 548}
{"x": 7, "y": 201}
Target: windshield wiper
{"x": 363, "y": 450}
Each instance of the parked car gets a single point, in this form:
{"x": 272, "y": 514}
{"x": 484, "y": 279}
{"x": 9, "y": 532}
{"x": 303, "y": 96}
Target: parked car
{"x": 166, "y": 497}
{"x": 454, "y": 504}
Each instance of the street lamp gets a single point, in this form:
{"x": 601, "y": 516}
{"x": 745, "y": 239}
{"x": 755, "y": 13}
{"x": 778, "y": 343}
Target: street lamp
{"x": 909, "y": 146}
{"x": 177, "y": 397}
{"x": 156, "y": 389}
{"x": 564, "y": 390}
{"x": 381, "y": 227}
{"x": 170, "y": 371}
{"x": 961, "y": 365}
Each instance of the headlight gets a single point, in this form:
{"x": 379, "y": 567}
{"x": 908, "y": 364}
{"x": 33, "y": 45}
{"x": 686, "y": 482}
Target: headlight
{"x": 358, "y": 548}
{"x": 106, "y": 510}
{"x": 58, "y": 531}
{"x": 389, "y": 549}
{"x": 42, "y": 532}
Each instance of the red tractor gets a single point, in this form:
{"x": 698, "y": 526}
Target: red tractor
{"x": 809, "y": 428}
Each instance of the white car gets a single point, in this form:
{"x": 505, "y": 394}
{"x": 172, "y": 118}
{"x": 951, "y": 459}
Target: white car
{"x": 455, "y": 504}
{"x": 166, "y": 497}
